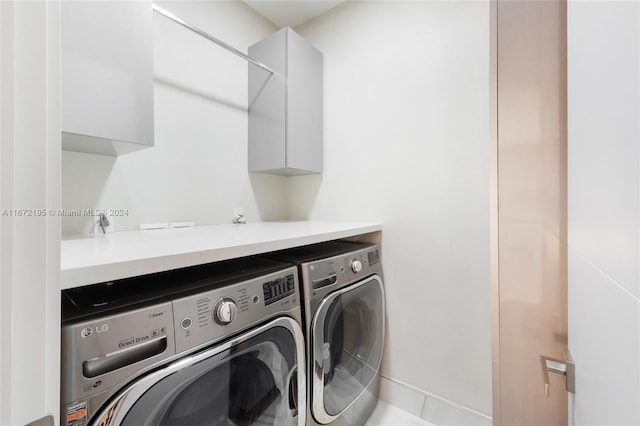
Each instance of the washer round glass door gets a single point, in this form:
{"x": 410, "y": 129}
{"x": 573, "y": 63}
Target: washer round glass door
{"x": 252, "y": 380}
{"x": 348, "y": 336}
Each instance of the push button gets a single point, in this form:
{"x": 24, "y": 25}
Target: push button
{"x": 186, "y": 323}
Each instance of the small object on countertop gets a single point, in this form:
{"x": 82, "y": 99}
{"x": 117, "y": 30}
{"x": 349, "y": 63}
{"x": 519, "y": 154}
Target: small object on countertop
{"x": 152, "y": 226}
{"x": 174, "y": 225}
{"x": 240, "y": 219}
{"x": 103, "y": 221}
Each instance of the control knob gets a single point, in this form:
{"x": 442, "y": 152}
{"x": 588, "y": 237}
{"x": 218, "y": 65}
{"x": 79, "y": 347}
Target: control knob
{"x": 356, "y": 265}
{"x": 225, "y": 311}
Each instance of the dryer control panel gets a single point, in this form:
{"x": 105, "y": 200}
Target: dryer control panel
{"x": 341, "y": 269}
{"x": 320, "y": 277}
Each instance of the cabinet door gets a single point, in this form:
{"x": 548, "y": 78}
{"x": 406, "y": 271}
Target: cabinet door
{"x": 267, "y": 105}
{"x": 107, "y": 76}
{"x": 304, "y": 105}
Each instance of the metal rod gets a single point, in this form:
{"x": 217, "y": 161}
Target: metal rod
{"x": 211, "y": 38}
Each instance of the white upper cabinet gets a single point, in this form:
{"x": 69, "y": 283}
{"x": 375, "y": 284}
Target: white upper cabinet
{"x": 107, "y": 76}
{"x": 285, "y": 108}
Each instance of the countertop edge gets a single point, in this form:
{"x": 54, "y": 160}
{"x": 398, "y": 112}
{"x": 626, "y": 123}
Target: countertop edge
{"x": 96, "y": 273}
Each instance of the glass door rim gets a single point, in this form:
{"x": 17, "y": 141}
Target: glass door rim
{"x": 318, "y": 408}
{"x": 126, "y": 397}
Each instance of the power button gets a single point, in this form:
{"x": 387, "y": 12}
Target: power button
{"x": 186, "y": 323}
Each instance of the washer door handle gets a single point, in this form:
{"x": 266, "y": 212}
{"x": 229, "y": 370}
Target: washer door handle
{"x": 326, "y": 357}
{"x": 323, "y": 282}
{"x": 293, "y": 392}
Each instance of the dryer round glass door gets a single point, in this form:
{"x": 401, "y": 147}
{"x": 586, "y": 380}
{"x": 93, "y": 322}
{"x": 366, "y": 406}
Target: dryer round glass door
{"x": 348, "y": 336}
{"x": 253, "y": 380}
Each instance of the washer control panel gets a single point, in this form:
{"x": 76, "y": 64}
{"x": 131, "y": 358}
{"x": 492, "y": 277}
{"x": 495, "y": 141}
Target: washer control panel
{"x": 213, "y": 315}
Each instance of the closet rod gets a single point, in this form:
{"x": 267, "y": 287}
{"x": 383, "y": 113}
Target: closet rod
{"x": 211, "y": 38}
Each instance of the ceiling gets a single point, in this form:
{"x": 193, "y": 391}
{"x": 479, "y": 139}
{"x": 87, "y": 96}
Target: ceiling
{"x": 290, "y": 13}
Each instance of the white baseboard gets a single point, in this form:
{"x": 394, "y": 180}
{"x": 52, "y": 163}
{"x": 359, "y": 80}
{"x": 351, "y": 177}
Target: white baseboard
{"x": 431, "y": 408}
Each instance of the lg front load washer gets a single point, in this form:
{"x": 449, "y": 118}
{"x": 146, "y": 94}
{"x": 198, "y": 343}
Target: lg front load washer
{"x": 344, "y": 323}
{"x": 219, "y": 344}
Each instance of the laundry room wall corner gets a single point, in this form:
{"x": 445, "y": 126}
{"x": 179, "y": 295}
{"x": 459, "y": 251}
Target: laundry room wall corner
{"x": 406, "y": 143}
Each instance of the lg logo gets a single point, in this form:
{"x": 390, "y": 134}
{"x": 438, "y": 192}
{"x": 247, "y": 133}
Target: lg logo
{"x": 88, "y": 331}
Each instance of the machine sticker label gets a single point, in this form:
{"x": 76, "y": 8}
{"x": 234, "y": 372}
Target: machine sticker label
{"x": 76, "y": 413}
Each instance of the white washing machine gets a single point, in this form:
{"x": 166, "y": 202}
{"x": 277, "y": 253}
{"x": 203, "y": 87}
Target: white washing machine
{"x": 219, "y": 344}
{"x": 344, "y": 323}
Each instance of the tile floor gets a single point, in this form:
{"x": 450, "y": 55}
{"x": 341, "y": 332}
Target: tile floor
{"x": 389, "y": 415}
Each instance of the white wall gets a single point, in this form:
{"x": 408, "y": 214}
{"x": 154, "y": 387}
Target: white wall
{"x": 198, "y": 167}
{"x": 604, "y": 210}
{"x": 406, "y": 140}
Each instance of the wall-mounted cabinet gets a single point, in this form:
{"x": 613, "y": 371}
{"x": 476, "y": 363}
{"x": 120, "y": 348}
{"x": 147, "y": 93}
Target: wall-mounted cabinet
{"x": 107, "y": 76}
{"x": 285, "y": 108}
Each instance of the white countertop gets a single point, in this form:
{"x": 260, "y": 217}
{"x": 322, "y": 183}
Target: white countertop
{"x": 91, "y": 260}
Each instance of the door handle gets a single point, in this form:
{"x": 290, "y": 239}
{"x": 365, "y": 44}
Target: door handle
{"x": 566, "y": 367}
{"x": 293, "y": 392}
